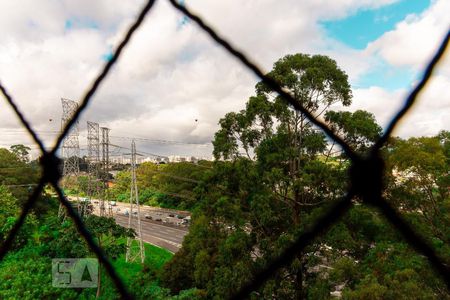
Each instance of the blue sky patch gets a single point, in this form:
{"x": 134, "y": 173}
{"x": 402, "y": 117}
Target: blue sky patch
{"x": 108, "y": 55}
{"x": 80, "y": 23}
{"x": 68, "y": 25}
{"x": 184, "y": 19}
{"x": 365, "y": 26}
{"x": 386, "y": 76}
{"x": 182, "y": 22}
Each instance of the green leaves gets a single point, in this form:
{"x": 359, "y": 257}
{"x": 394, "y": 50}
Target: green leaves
{"x": 314, "y": 80}
{"x": 271, "y": 180}
{"x": 359, "y": 129}
{"x": 165, "y": 185}
{"x": 21, "y": 151}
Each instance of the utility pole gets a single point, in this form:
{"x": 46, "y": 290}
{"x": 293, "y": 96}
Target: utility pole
{"x": 93, "y": 139}
{"x": 70, "y": 147}
{"x": 134, "y": 251}
{"x": 105, "y": 174}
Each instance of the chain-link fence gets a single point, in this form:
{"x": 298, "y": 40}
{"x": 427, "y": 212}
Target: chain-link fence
{"x": 366, "y": 173}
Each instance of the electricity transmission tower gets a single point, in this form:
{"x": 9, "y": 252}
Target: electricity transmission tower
{"x": 70, "y": 147}
{"x": 93, "y": 158}
{"x": 134, "y": 251}
{"x": 105, "y": 174}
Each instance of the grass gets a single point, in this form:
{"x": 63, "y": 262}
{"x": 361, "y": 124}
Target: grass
{"x": 155, "y": 258}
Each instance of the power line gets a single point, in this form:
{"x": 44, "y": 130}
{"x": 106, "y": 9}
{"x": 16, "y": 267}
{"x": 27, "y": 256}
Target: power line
{"x": 148, "y": 153}
{"x": 20, "y": 167}
{"x": 160, "y": 141}
{"x": 174, "y": 176}
{"x": 153, "y": 141}
{"x": 19, "y": 185}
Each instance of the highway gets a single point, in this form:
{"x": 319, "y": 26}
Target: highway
{"x": 163, "y": 230}
{"x": 164, "y": 236}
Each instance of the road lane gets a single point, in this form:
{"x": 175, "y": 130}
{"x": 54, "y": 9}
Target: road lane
{"x": 165, "y": 234}
{"x": 160, "y": 235}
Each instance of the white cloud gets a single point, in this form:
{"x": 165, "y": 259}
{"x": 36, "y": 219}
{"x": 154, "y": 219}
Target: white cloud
{"x": 414, "y": 39}
{"x": 431, "y": 113}
{"x": 169, "y": 76}
{"x": 383, "y": 104}
{"x": 412, "y": 44}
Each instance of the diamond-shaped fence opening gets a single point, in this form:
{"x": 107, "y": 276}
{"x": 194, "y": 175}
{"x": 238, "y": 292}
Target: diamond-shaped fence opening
{"x": 366, "y": 173}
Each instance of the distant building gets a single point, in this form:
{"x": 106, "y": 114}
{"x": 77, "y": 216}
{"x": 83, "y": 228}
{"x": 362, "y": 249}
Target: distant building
{"x": 162, "y": 159}
{"x": 156, "y": 160}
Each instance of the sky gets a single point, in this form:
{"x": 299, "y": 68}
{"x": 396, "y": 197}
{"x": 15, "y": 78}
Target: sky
{"x": 172, "y": 84}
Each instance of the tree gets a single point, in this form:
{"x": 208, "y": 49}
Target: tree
{"x": 8, "y": 205}
{"x": 176, "y": 183}
{"x": 359, "y": 129}
{"x": 17, "y": 175}
{"x": 21, "y": 151}
{"x": 63, "y": 240}
{"x": 316, "y": 82}
{"x": 274, "y": 179}
{"x": 165, "y": 185}
{"x": 107, "y": 233}
{"x": 9, "y": 213}
{"x": 282, "y": 139}
{"x": 26, "y": 274}
{"x": 418, "y": 184}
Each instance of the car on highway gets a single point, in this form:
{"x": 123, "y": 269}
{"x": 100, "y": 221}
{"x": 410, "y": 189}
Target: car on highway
{"x": 186, "y": 220}
{"x": 147, "y": 216}
{"x": 172, "y": 215}
{"x": 113, "y": 203}
{"x": 126, "y": 212}
{"x": 158, "y": 219}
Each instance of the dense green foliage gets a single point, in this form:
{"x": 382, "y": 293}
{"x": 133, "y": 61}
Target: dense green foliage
{"x": 18, "y": 175}
{"x": 26, "y": 274}
{"x": 279, "y": 175}
{"x": 166, "y": 185}
{"x": 26, "y": 271}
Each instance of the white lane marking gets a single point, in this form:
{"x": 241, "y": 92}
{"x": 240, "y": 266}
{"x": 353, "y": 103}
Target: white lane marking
{"x": 167, "y": 241}
{"x": 184, "y": 231}
{"x": 158, "y": 234}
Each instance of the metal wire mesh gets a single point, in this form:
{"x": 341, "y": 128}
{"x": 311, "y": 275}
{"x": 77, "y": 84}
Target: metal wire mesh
{"x": 366, "y": 173}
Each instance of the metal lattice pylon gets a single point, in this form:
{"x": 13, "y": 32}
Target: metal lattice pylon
{"x": 105, "y": 210}
{"x": 93, "y": 158}
{"x": 70, "y": 145}
{"x": 134, "y": 251}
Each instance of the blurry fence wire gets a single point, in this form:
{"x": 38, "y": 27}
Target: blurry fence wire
{"x": 366, "y": 173}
